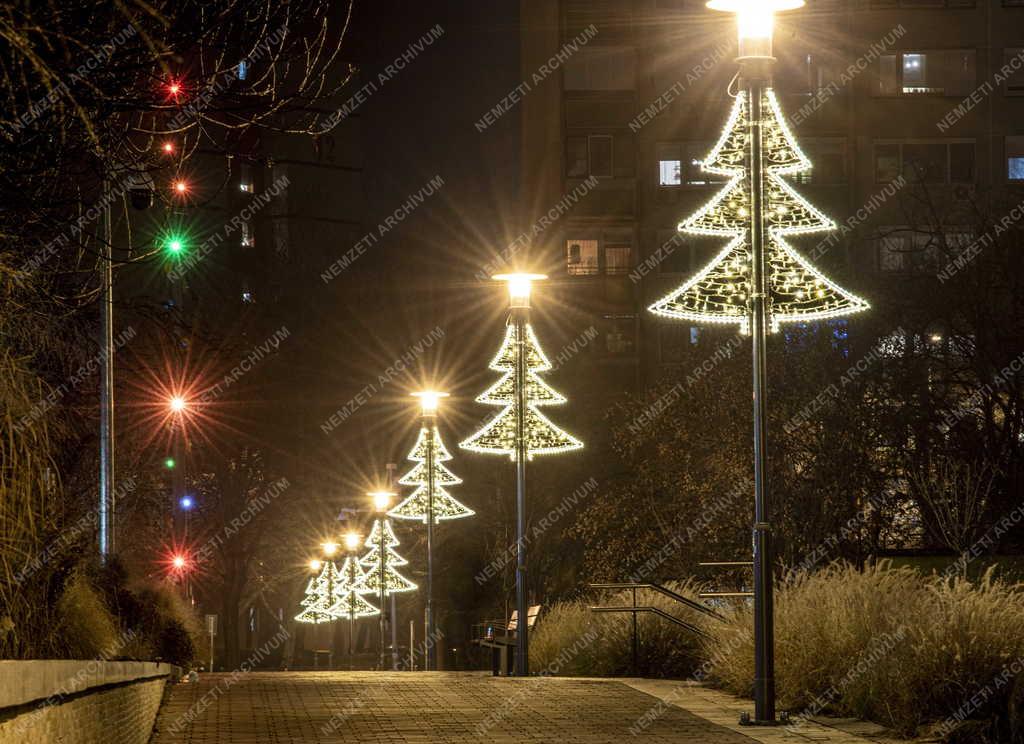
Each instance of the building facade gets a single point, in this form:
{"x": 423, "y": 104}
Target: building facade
{"x": 884, "y": 95}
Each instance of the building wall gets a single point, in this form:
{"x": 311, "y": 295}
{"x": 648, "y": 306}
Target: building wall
{"x": 652, "y": 80}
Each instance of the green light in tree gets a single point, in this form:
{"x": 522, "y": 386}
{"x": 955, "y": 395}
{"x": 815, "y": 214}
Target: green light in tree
{"x": 169, "y": 463}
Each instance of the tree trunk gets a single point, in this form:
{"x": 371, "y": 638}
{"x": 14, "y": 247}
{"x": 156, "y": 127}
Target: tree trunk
{"x": 229, "y": 610}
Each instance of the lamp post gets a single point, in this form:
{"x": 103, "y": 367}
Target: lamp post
{"x": 519, "y": 288}
{"x": 381, "y": 502}
{"x": 429, "y": 401}
{"x": 352, "y": 543}
{"x": 330, "y": 549}
{"x": 755, "y": 22}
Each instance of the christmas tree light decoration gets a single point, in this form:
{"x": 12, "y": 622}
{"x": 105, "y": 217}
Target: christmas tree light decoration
{"x": 351, "y": 604}
{"x": 520, "y": 430}
{"x": 322, "y": 593}
{"x": 499, "y": 435}
{"x": 722, "y": 291}
{"x": 382, "y": 538}
{"x": 416, "y": 505}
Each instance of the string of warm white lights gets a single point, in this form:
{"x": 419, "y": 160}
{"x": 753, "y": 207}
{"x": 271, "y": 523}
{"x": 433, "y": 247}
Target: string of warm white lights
{"x": 499, "y": 435}
{"x": 417, "y": 505}
{"x": 382, "y": 537}
{"x": 323, "y": 591}
{"x": 351, "y": 603}
{"x": 721, "y": 291}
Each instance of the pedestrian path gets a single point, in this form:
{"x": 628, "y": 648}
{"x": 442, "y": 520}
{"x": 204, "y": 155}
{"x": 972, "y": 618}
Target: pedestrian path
{"x": 423, "y": 707}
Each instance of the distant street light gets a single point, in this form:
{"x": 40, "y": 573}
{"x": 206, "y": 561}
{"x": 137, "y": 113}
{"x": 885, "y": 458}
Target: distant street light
{"x": 382, "y": 502}
{"x": 429, "y": 401}
{"x": 177, "y": 404}
{"x": 521, "y": 430}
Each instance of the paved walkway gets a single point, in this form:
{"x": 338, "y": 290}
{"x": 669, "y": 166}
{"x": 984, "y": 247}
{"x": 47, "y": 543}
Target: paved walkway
{"x": 313, "y": 707}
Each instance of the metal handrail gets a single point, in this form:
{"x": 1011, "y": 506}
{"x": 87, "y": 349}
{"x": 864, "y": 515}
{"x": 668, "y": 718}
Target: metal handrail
{"x": 657, "y": 611}
{"x": 668, "y": 593}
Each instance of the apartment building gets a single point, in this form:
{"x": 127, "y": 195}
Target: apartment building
{"x": 875, "y": 89}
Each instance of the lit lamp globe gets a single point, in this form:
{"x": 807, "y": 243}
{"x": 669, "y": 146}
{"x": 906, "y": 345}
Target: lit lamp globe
{"x": 519, "y": 286}
{"x": 381, "y": 500}
{"x": 178, "y": 404}
{"x": 755, "y": 20}
{"x": 429, "y": 401}
{"x": 315, "y": 565}
{"x": 329, "y": 548}
{"x": 352, "y": 541}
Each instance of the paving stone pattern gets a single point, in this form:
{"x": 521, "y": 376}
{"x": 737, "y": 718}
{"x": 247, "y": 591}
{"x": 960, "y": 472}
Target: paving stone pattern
{"x": 291, "y": 707}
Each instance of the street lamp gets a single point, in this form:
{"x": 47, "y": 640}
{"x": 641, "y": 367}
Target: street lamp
{"x": 315, "y": 564}
{"x": 353, "y": 540}
{"x": 519, "y": 288}
{"x": 381, "y": 503}
{"x": 429, "y": 401}
{"x": 177, "y": 404}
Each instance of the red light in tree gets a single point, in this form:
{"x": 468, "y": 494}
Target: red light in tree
{"x": 180, "y": 187}
{"x": 169, "y": 148}
{"x": 173, "y": 88}
{"x": 179, "y": 562}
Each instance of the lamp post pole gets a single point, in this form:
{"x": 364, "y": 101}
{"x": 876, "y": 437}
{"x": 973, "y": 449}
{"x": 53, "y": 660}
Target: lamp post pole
{"x": 383, "y": 596}
{"x": 351, "y": 610}
{"x": 755, "y": 20}
{"x": 106, "y": 500}
{"x": 430, "y": 662}
{"x": 520, "y": 310}
{"x": 764, "y": 628}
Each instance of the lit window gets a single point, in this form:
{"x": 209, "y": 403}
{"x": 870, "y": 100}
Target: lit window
{"x": 670, "y": 164}
{"x": 245, "y": 178}
{"x": 247, "y": 239}
{"x": 243, "y": 70}
{"x": 582, "y": 257}
{"x": 1015, "y": 158}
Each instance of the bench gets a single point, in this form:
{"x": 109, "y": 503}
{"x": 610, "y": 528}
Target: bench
{"x": 502, "y": 646}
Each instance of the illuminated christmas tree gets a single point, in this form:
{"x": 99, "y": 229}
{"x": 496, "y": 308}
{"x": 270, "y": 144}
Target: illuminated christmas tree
{"x": 351, "y": 604}
{"x": 322, "y": 592}
{"x": 416, "y": 505}
{"x": 499, "y": 435}
{"x": 721, "y": 292}
{"x": 383, "y": 539}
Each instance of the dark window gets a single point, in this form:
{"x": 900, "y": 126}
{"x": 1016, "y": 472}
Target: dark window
{"x": 577, "y": 158}
{"x": 925, "y": 163}
{"x": 602, "y": 147}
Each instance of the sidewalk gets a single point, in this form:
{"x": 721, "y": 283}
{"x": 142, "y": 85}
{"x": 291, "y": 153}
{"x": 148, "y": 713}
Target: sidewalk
{"x": 724, "y": 710}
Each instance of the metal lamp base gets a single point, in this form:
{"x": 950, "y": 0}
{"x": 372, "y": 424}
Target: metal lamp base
{"x": 746, "y": 720}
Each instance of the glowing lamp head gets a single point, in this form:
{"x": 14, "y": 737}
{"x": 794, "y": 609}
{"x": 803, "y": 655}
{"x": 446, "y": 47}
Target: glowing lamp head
{"x": 520, "y": 285}
{"x": 429, "y": 401}
{"x": 186, "y": 502}
{"x": 756, "y": 22}
{"x": 381, "y": 499}
{"x": 315, "y": 565}
{"x": 352, "y": 541}
{"x": 168, "y": 148}
{"x": 177, "y": 404}
{"x": 180, "y": 187}
{"x": 330, "y": 548}
{"x": 179, "y": 562}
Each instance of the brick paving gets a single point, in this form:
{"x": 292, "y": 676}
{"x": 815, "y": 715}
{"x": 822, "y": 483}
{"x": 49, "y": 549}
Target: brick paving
{"x": 308, "y": 707}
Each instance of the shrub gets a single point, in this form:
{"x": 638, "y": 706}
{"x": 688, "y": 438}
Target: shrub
{"x": 85, "y": 626}
{"x": 883, "y": 644}
{"x": 569, "y": 639}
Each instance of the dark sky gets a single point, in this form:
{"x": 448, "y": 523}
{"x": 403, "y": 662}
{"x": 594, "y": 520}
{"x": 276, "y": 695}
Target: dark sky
{"x": 419, "y": 276}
